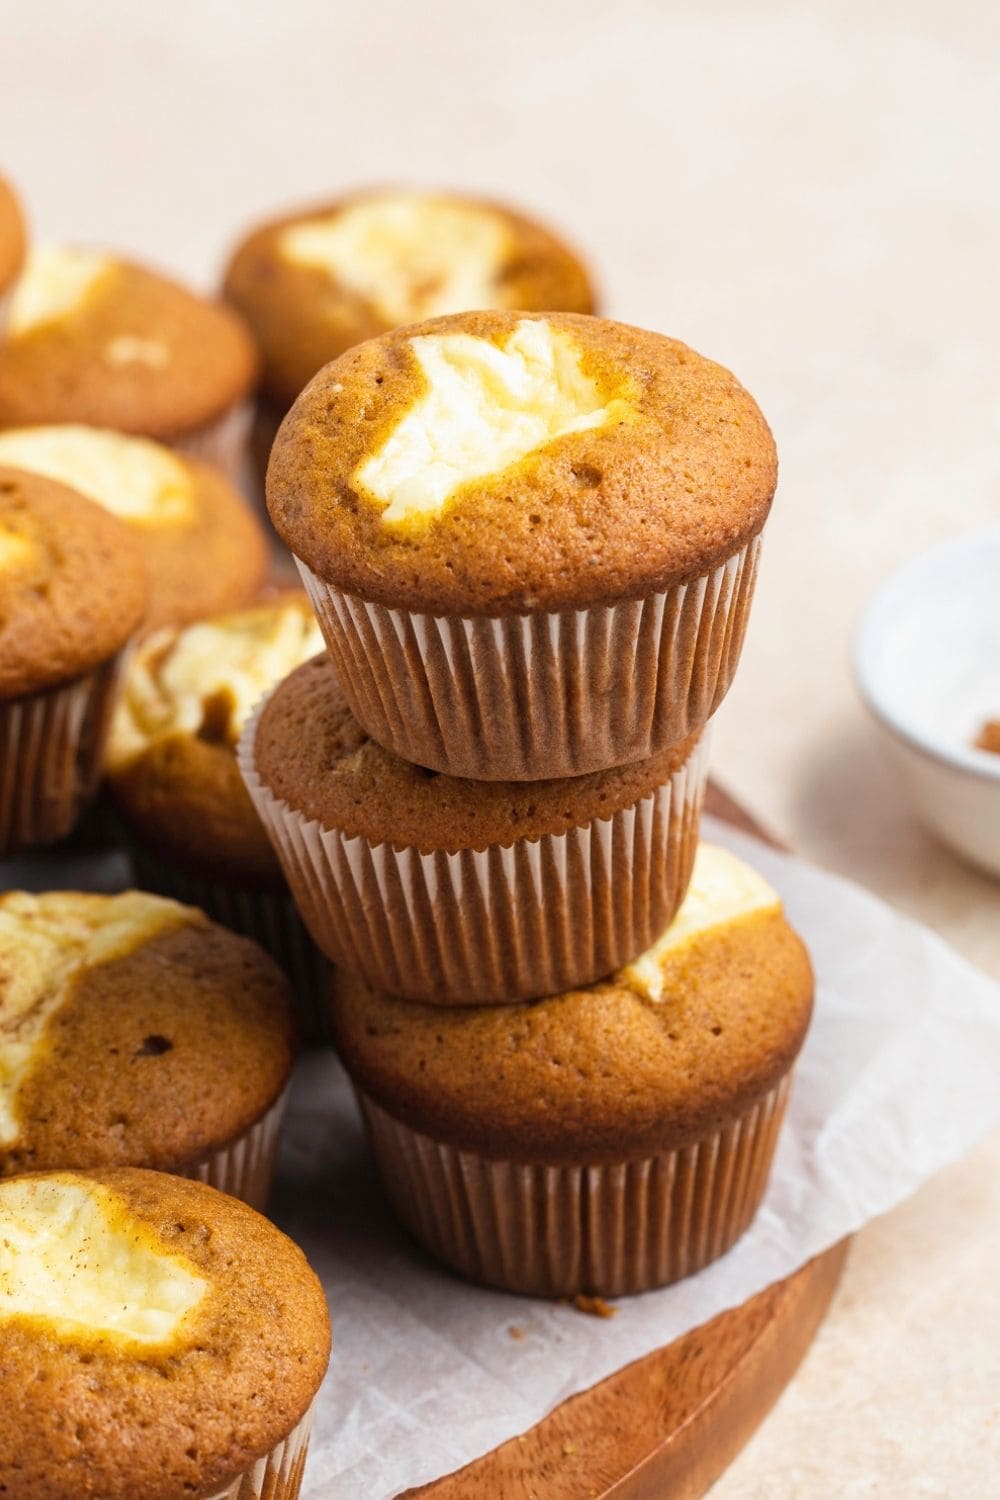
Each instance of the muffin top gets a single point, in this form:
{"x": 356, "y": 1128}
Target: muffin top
{"x": 492, "y": 463}
{"x": 316, "y": 282}
{"x": 93, "y": 338}
{"x": 133, "y": 1032}
{"x": 311, "y": 753}
{"x": 158, "y": 1337}
{"x": 667, "y": 1050}
{"x": 187, "y": 697}
{"x": 205, "y": 550}
{"x": 73, "y": 584}
{"x": 12, "y": 235}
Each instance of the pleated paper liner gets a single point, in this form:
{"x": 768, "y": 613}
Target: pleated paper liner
{"x": 276, "y": 1476}
{"x": 270, "y": 917}
{"x": 222, "y": 442}
{"x": 556, "y": 1231}
{"x": 522, "y": 697}
{"x": 51, "y": 756}
{"x": 244, "y": 1167}
{"x": 496, "y": 925}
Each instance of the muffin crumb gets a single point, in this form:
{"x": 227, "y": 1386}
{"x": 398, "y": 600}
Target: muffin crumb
{"x": 989, "y": 737}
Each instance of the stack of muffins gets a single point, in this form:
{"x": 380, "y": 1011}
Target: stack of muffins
{"x": 528, "y": 539}
{"x": 531, "y": 544}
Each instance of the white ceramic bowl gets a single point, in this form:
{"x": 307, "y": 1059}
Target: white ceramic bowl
{"x": 927, "y": 663}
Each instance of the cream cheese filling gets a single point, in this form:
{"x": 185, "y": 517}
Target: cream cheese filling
{"x": 210, "y": 676}
{"x": 45, "y": 941}
{"x": 410, "y": 256}
{"x": 723, "y": 890}
{"x": 134, "y": 478}
{"x": 485, "y": 407}
{"x": 73, "y": 1257}
{"x": 55, "y": 283}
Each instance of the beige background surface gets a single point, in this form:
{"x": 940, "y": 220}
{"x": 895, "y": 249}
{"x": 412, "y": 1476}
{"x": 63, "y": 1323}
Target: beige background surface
{"x": 810, "y": 195}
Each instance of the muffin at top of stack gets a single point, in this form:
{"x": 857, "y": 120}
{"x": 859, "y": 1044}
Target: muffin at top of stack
{"x": 463, "y": 892}
{"x": 73, "y": 589}
{"x": 204, "y": 548}
{"x": 134, "y": 1032}
{"x": 173, "y": 775}
{"x": 530, "y": 540}
{"x": 314, "y": 282}
{"x": 160, "y": 1339}
{"x": 607, "y": 1139}
{"x": 97, "y": 339}
{"x": 12, "y": 243}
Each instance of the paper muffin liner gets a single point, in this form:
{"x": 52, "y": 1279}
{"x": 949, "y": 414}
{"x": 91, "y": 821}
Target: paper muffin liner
{"x": 222, "y": 442}
{"x": 495, "y": 925}
{"x": 51, "y": 755}
{"x": 270, "y": 917}
{"x": 244, "y": 1167}
{"x": 556, "y": 1231}
{"x": 278, "y": 1475}
{"x": 522, "y": 697}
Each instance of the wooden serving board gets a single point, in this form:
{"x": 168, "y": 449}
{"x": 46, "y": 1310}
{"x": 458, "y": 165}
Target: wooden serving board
{"x": 665, "y": 1427}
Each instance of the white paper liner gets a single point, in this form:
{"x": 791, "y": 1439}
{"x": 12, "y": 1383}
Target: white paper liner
{"x": 276, "y": 1476}
{"x": 270, "y": 917}
{"x": 522, "y": 697}
{"x": 222, "y": 443}
{"x": 495, "y": 925}
{"x": 554, "y": 1231}
{"x": 244, "y": 1168}
{"x": 52, "y": 754}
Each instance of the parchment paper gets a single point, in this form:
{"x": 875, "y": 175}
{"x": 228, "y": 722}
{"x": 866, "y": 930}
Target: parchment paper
{"x": 899, "y": 1077}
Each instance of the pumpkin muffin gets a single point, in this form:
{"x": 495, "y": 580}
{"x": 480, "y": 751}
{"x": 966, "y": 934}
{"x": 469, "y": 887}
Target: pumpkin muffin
{"x": 531, "y": 541}
{"x": 461, "y": 892}
{"x": 606, "y": 1140}
{"x": 313, "y": 283}
{"x": 174, "y": 780}
{"x": 134, "y": 1032}
{"x": 95, "y": 339}
{"x": 160, "y": 1339}
{"x": 204, "y": 549}
{"x": 73, "y": 590}
{"x": 12, "y": 243}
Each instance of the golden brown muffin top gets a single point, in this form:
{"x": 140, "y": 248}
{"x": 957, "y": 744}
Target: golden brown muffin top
{"x": 158, "y": 1337}
{"x": 495, "y": 463}
{"x": 187, "y": 696}
{"x": 667, "y": 1050}
{"x": 313, "y": 283}
{"x": 12, "y": 235}
{"x": 93, "y": 338}
{"x": 311, "y": 753}
{"x": 205, "y": 550}
{"x": 73, "y": 584}
{"x": 133, "y": 1032}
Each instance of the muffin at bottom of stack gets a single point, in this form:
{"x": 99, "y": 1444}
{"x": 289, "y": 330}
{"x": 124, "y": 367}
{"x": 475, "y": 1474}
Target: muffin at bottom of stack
{"x": 134, "y": 1032}
{"x": 606, "y": 1140}
{"x": 159, "y": 1339}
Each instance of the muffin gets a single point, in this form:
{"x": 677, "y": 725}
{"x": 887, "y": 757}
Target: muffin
{"x": 531, "y": 541}
{"x": 95, "y": 339}
{"x": 173, "y": 776}
{"x": 136, "y": 1033}
{"x": 159, "y": 1340}
{"x": 315, "y": 282}
{"x": 12, "y": 239}
{"x": 205, "y": 550}
{"x": 460, "y": 892}
{"x": 72, "y": 591}
{"x": 606, "y": 1140}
